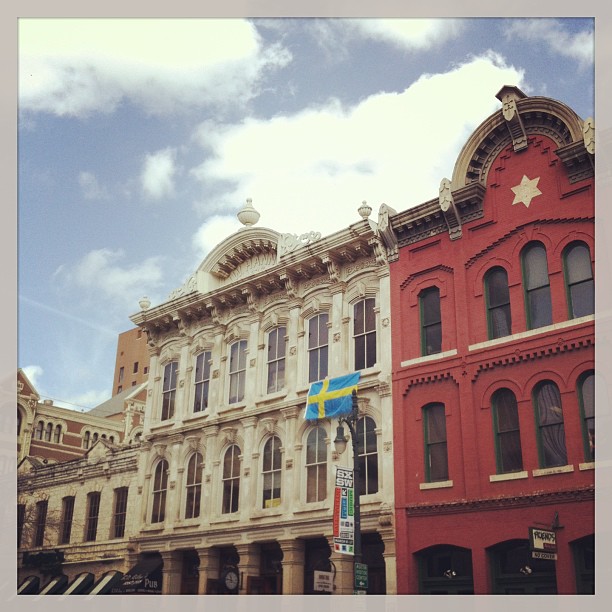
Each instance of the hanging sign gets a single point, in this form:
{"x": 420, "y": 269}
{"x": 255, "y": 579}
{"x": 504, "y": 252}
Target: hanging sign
{"x": 543, "y": 543}
{"x": 344, "y": 512}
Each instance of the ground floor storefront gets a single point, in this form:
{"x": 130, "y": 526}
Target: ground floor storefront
{"x": 487, "y": 547}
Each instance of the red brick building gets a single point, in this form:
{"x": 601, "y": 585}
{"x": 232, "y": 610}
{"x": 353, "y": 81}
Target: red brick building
{"x": 492, "y": 307}
{"x": 132, "y": 360}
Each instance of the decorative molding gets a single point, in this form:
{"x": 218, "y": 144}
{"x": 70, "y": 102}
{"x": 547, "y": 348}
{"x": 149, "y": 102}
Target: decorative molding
{"x": 503, "y": 502}
{"x": 287, "y": 243}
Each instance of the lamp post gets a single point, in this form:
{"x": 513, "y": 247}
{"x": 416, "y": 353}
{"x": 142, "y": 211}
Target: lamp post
{"x": 340, "y": 444}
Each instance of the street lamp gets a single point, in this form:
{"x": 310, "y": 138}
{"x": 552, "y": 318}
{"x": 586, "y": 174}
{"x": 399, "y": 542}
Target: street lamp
{"x": 340, "y": 445}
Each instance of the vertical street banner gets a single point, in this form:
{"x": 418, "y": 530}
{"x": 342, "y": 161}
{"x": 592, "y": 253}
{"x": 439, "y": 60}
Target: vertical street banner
{"x": 344, "y": 512}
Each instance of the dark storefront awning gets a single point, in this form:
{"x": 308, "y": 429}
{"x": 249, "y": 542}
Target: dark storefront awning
{"x": 81, "y": 584}
{"x": 145, "y": 578}
{"x": 55, "y": 586}
{"x": 29, "y": 586}
{"x": 106, "y": 582}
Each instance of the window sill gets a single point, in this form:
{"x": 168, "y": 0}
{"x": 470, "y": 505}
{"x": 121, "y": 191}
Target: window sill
{"x": 586, "y": 466}
{"x": 156, "y": 528}
{"x": 312, "y": 507}
{"x": 531, "y": 332}
{"x": 562, "y": 469}
{"x": 232, "y": 518}
{"x": 265, "y": 512}
{"x": 427, "y": 358}
{"x": 508, "y": 476}
{"x": 443, "y": 484}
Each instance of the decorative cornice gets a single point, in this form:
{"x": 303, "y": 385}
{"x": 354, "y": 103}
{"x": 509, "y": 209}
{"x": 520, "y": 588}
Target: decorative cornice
{"x": 584, "y": 494}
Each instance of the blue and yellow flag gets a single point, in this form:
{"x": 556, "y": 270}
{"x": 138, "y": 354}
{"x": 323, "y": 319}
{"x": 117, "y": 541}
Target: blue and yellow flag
{"x": 331, "y": 397}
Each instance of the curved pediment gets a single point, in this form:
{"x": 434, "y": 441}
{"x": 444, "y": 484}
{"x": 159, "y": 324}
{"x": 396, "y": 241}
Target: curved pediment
{"x": 248, "y": 251}
{"x": 519, "y": 118}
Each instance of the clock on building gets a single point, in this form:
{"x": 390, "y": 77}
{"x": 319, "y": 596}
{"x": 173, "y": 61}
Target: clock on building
{"x": 230, "y": 579}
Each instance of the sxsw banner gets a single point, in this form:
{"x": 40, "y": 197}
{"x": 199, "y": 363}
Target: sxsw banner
{"x": 344, "y": 512}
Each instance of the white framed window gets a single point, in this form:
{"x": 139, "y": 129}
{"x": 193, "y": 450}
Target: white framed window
{"x": 271, "y": 470}
{"x": 316, "y": 465}
{"x": 364, "y": 333}
{"x": 237, "y": 371}
{"x": 160, "y": 488}
{"x": 202, "y": 381}
{"x": 193, "y": 486}
{"x": 169, "y": 390}
{"x": 276, "y": 359}
{"x": 318, "y": 341}
{"x": 231, "y": 480}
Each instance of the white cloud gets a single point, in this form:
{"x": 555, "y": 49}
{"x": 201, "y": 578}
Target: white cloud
{"x": 318, "y": 165}
{"x": 33, "y": 372}
{"x": 410, "y": 34}
{"x": 91, "y": 188}
{"x": 102, "y": 277}
{"x": 157, "y": 178}
{"x": 552, "y": 32}
{"x": 79, "y": 66}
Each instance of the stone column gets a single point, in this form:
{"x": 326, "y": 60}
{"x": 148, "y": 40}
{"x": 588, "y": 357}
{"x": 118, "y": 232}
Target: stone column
{"x": 388, "y": 537}
{"x": 249, "y": 565}
{"x": 209, "y": 567}
{"x": 171, "y": 572}
{"x": 293, "y": 566}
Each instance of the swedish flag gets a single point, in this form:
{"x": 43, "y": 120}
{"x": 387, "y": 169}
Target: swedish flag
{"x": 331, "y": 397}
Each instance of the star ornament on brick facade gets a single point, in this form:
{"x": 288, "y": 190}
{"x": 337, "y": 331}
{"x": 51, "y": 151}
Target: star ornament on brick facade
{"x": 526, "y": 190}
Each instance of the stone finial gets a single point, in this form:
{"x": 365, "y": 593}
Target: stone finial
{"x": 247, "y": 215}
{"x": 365, "y": 210}
{"x": 588, "y": 132}
{"x": 144, "y": 303}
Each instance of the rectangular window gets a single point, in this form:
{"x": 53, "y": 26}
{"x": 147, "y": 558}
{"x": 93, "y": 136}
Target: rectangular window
{"x": 364, "y": 333}
{"x": 169, "y": 390}
{"x": 276, "y": 359}
{"x": 121, "y": 372}
{"x": 202, "y": 381}
{"x": 135, "y": 368}
{"x": 436, "y": 457}
{"x": 20, "y": 522}
{"x": 146, "y": 370}
{"x": 318, "y": 334}
{"x": 93, "y": 510}
{"x": 120, "y": 513}
{"x": 431, "y": 321}
{"x": 237, "y": 371}
{"x": 41, "y": 522}
{"x": 67, "y": 513}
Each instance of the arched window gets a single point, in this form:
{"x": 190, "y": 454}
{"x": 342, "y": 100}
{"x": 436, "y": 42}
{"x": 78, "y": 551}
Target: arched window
{"x": 160, "y": 487}
{"x": 94, "y": 438}
{"x": 194, "y": 486}
{"x": 316, "y": 465}
{"x": 18, "y": 421}
{"x": 231, "y": 480}
{"x": 436, "y": 454}
{"x": 103, "y": 436}
{"x": 579, "y": 282}
{"x": 202, "y": 381}
{"x": 57, "y": 434}
{"x": 48, "y": 432}
{"x": 38, "y": 432}
{"x": 536, "y": 285}
{"x": 169, "y": 390}
{"x": 111, "y": 439}
{"x": 367, "y": 452}
{"x": 364, "y": 333}
{"x": 431, "y": 321}
{"x": 551, "y": 430}
{"x": 272, "y": 473}
{"x": 497, "y": 295}
{"x": 237, "y": 371}
{"x": 318, "y": 334}
{"x": 276, "y": 359}
{"x": 509, "y": 456}
{"x": 86, "y": 439}
{"x": 586, "y": 397}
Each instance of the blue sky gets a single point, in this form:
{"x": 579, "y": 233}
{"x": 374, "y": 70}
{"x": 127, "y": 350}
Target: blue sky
{"x": 139, "y": 140}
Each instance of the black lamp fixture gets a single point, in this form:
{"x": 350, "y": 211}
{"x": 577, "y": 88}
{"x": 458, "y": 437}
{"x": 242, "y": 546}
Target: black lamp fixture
{"x": 350, "y": 420}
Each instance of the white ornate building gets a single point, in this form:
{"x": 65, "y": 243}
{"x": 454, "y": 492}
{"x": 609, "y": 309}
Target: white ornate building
{"x": 229, "y": 473}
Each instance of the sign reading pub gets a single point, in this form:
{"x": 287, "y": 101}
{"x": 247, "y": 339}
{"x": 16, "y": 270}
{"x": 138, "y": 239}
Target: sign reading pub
{"x": 543, "y": 543}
